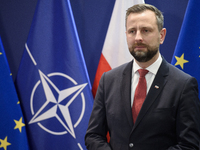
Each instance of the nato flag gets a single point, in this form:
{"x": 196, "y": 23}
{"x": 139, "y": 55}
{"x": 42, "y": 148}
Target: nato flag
{"x": 52, "y": 81}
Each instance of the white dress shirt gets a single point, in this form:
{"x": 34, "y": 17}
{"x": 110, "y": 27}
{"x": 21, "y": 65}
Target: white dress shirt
{"x": 149, "y": 76}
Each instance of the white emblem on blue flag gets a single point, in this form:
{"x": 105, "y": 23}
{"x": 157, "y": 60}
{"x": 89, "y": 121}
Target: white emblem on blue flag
{"x": 57, "y": 97}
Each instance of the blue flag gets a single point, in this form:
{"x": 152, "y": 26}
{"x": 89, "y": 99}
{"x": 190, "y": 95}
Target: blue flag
{"x": 12, "y": 126}
{"x": 187, "y": 52}
{"x": 52, "y": 80}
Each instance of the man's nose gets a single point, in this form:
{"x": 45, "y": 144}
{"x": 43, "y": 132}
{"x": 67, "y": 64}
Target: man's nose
{"x": 138, "y": 37}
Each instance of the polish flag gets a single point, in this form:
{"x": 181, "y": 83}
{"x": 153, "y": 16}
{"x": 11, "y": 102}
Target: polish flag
{"x": 115, "y": 50}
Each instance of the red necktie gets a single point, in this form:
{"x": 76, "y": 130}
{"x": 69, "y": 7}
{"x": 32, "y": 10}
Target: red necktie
{"x": 140, "y": 94}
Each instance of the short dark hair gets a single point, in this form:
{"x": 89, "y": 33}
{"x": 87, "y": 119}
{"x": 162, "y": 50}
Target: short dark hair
{"x": 139, "y": 8}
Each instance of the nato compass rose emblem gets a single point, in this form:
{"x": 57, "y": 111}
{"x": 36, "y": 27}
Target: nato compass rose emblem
{"x": 45, "y": 112}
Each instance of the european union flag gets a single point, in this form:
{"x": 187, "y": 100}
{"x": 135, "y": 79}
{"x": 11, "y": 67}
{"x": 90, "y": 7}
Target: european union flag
{"x": 52, "y": 80}
{"x": 187, "y": 52}
{"x": 12, "y": 126}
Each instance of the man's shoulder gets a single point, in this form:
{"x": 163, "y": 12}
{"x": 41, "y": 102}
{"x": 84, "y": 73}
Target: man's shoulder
{"x": 178, "y": 72}
{"x": 121, "y": 68}
{"x": 171, "y": 70}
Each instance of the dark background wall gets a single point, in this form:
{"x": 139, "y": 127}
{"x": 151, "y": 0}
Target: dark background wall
{"x": 16, "y": 17}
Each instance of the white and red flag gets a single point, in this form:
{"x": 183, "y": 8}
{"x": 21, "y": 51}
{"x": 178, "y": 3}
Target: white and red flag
{"x": 115, "y": 50}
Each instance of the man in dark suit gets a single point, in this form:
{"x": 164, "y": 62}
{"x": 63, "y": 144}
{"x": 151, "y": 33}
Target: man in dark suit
{"x": 168, "y": 117}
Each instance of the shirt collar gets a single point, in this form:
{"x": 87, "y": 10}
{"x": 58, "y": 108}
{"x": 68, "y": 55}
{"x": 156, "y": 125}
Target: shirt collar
{"x": 153, "y": 68}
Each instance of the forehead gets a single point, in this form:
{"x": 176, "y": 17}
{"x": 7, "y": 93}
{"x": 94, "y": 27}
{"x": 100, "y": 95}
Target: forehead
{"x": 146, "y": 17}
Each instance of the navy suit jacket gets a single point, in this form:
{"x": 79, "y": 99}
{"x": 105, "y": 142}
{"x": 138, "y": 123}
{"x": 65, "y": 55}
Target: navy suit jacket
{"x": 168, "y": 119}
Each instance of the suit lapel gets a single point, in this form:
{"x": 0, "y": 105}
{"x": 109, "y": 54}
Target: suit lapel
{"x": 156, "y": 88}
{"x": 126, "y": 91}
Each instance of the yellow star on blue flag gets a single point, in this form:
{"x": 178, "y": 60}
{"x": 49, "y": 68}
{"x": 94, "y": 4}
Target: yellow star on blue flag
{"x": 180, "y": 60}
{"x": 19, "y": 124}
{"x": 4, "y": 143}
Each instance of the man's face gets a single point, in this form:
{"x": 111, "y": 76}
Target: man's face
{"x": 143, "y": 36}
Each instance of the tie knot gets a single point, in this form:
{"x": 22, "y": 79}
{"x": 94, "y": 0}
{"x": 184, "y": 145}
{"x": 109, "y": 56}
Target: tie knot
{"x": 143, "y": 72}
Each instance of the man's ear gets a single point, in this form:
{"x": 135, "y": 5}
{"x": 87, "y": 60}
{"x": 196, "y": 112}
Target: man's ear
{"x": 162, "y": 35}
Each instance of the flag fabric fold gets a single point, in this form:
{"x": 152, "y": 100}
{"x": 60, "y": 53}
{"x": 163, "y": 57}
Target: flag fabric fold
{"x": 13, "y": 131}
{"x": 115, "y": 50}
{"x": 52, "y": 80}
{"x": 187, "y": 51}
